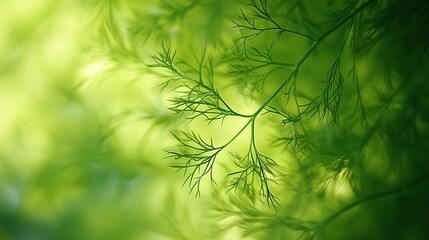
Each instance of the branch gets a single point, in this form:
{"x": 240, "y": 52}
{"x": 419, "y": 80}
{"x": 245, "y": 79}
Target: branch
{"x": 367, "y": 199}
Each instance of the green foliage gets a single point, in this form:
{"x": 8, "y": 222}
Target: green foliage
{"x": 331, "y": 152}
{"x": 287, "y": 119}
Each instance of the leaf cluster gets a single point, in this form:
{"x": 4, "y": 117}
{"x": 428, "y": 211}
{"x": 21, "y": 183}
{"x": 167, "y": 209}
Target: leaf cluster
{"x": 326, "y": 156}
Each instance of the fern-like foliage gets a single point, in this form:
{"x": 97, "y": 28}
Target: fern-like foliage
{"x": 312, "y": 88}
{"x": 198, "y": 97}
{"x": 199, "y": 157}
{"x": 288, "y": 119}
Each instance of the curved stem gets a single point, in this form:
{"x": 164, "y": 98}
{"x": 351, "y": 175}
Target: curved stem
{"x": 307, "y": 54}
{"x": 369, "y": 198}
{"x": 293, "y": 73}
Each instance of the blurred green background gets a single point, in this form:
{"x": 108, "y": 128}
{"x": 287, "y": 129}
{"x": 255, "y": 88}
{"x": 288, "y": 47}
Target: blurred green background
{"x": 69, "y": 167}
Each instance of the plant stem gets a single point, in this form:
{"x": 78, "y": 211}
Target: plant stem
{"x": 369, "y": 198}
